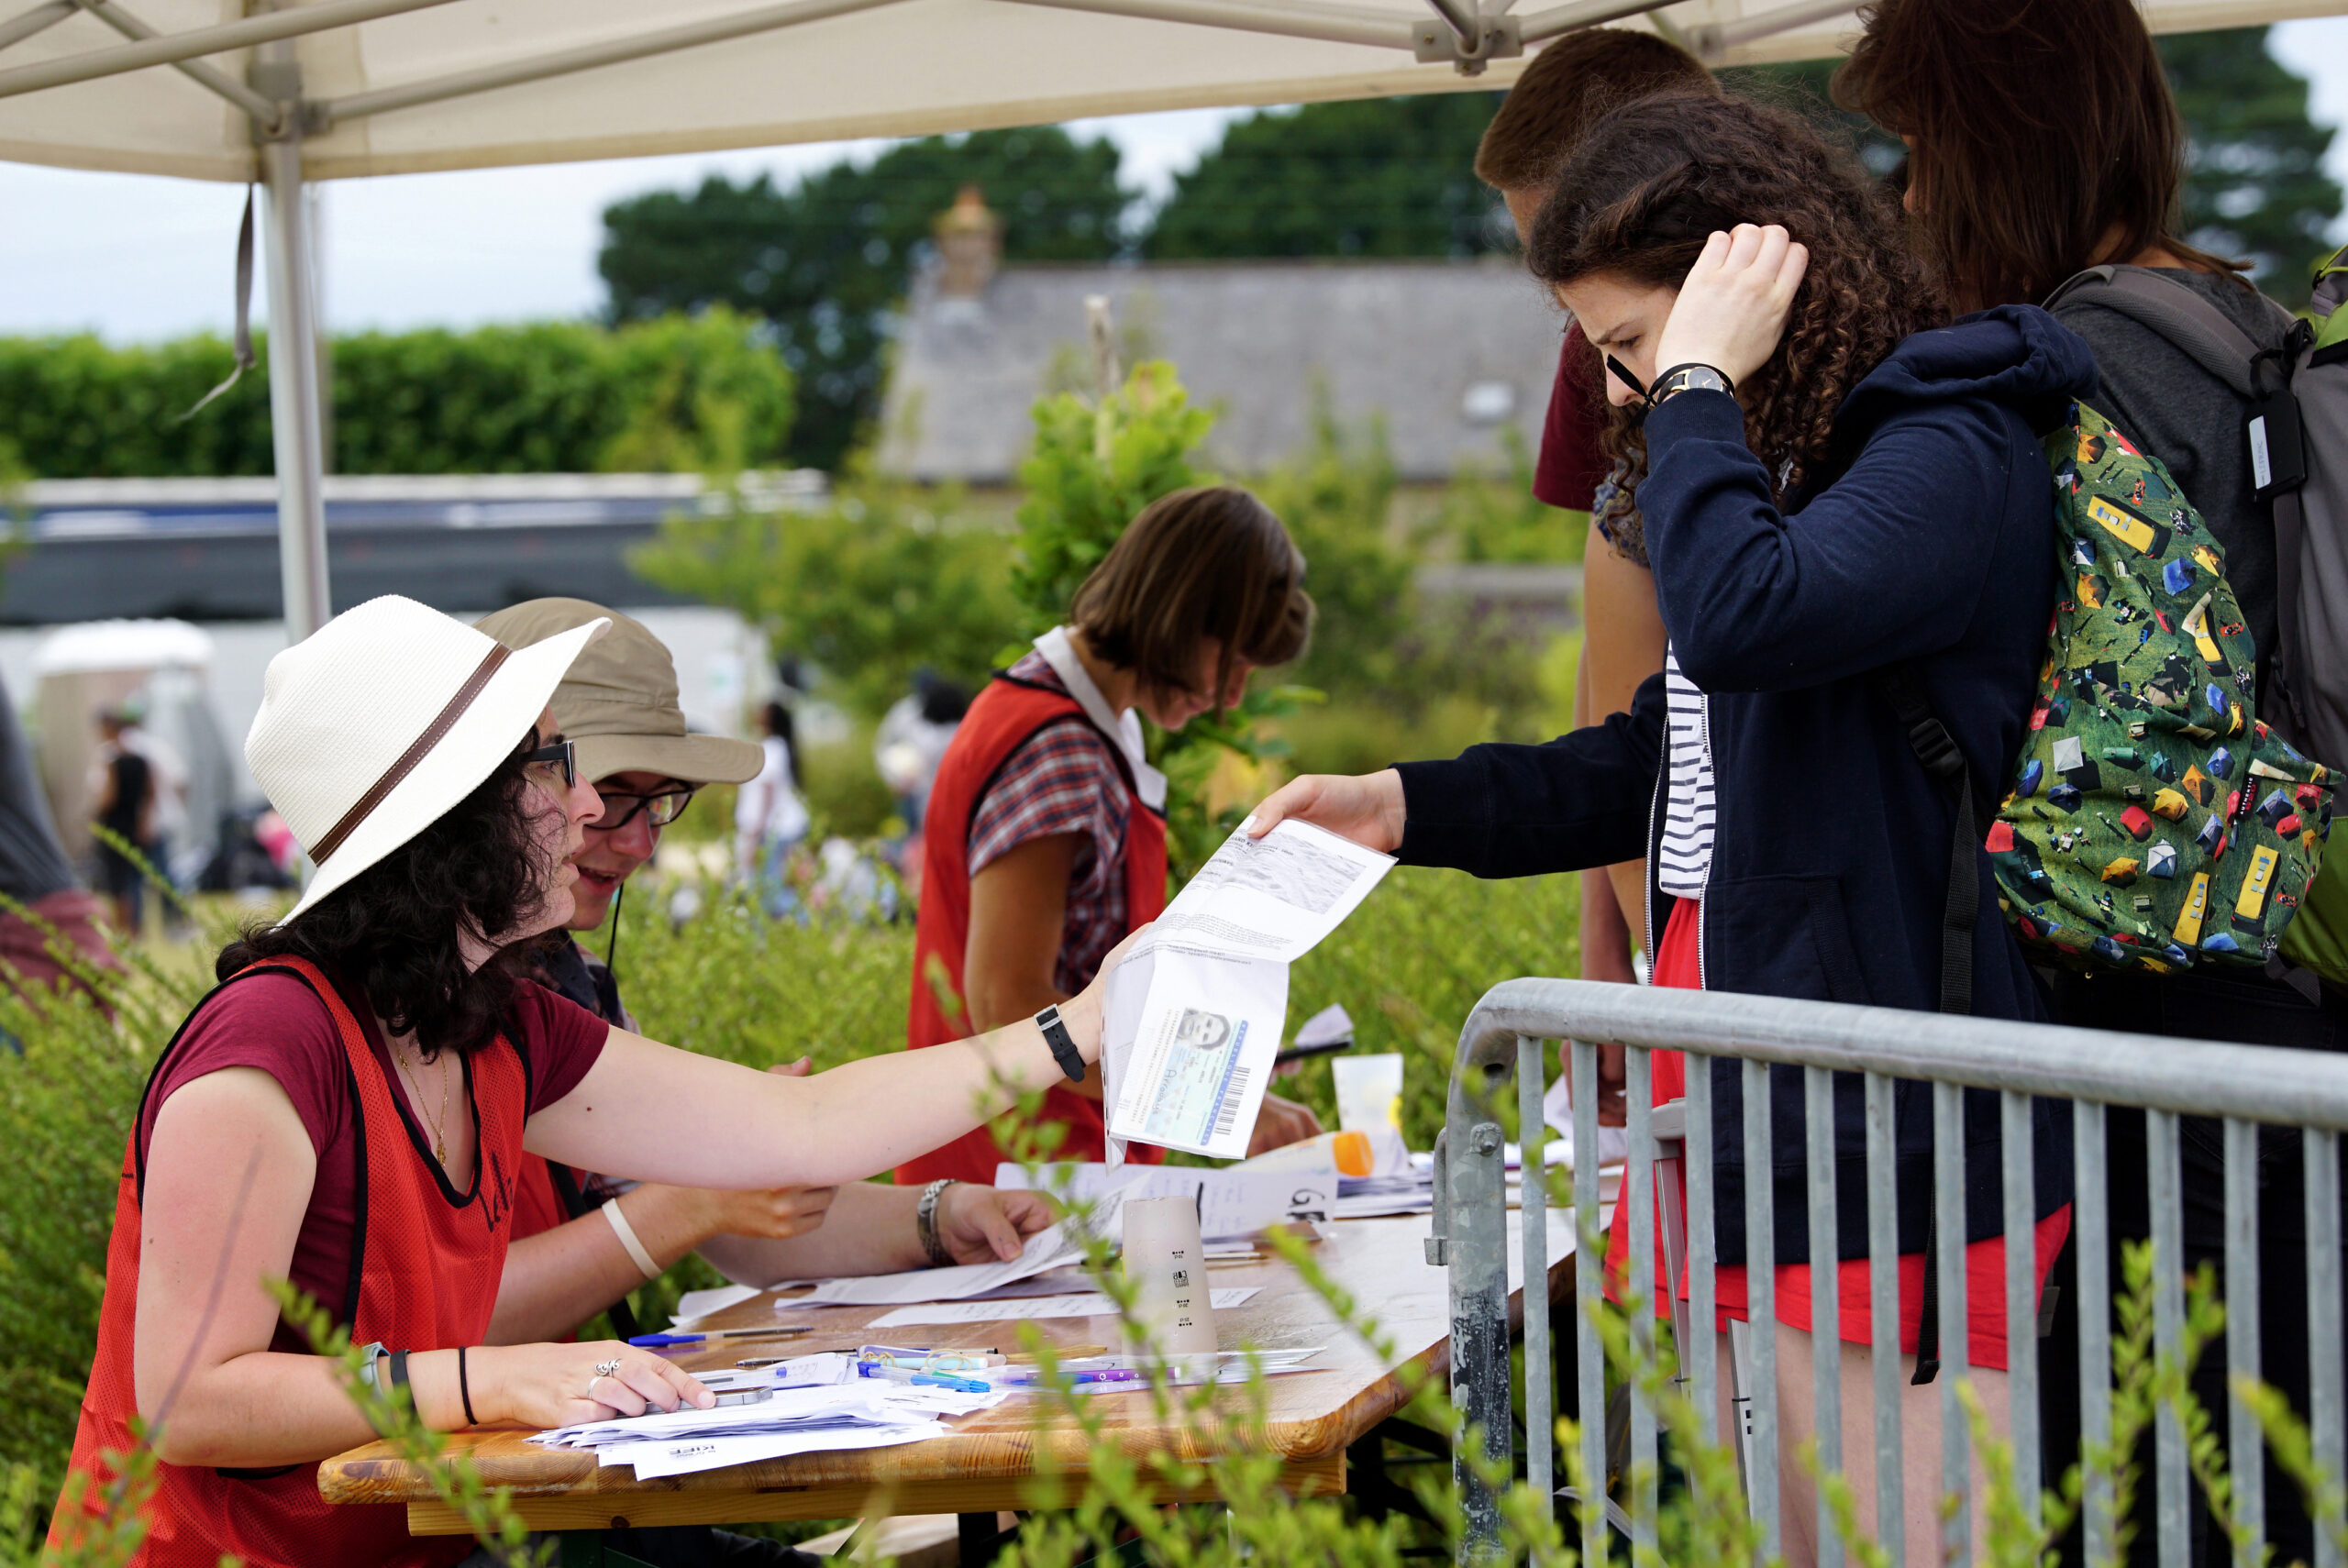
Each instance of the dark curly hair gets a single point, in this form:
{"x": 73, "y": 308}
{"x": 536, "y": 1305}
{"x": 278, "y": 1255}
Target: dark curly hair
{"x": 1651, "y": 184}
{"x": 391, "y": 931}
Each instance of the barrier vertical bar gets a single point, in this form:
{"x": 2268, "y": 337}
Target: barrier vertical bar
{"x": 2169, "y": 1472}
{"x": 2247, "y": 1459}
{"x": 1638, "y": 1193}
{"x": 1589, "y": 1254}
{"x": 2325, "y": 1393}
{"x": 1702, "y": 1350}
{"x": 1825, "y": 1298}
{"x": 1477, "y": 1245}
{"x": 2021, "y": 1184}
{"x": 1761, "y": 1295}
{"x": 2092, "y": 1198}
{"x": 1540, "y": 1420}
{"x": 1948, "y": 1224}
{"x": 1883, "y": 1317}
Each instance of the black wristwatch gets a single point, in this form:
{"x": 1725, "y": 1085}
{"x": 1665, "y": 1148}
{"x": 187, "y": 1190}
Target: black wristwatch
{"x": 1687, "y": 378}
{"x": 1063, "y": 1045}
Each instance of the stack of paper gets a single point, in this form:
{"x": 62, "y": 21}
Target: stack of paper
{"x": 1238, "y": 1201}
{"x": 1053, "y": 1247}
{"x": 818, "y": 1404}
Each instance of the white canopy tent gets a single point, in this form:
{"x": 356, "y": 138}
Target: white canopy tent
{"x": 331, "y": 89}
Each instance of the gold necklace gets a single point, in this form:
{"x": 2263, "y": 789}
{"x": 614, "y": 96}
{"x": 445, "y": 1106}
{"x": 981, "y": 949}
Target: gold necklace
{"x": 439, "y": 1142}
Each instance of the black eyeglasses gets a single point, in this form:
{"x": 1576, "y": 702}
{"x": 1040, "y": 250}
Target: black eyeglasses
{"x": 561, "y": 755}
{"x": 620, "y": 810}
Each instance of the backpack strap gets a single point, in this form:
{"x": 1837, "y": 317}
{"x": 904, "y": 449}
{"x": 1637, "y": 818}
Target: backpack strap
{"x": 2176, "y": 312}
{"x": 1936, "y": 749}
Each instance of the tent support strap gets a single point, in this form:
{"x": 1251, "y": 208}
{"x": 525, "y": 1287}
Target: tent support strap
{"x": 44, "y": 15}
{"x": 296, "y": 421}
{"x": 767, "y": 18}
{"x": 91, "y": 64}
{"x": 202, "y": 73}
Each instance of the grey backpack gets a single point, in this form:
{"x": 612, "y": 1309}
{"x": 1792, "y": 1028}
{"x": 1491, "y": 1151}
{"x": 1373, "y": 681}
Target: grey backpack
{"x": 2294, "y": 390}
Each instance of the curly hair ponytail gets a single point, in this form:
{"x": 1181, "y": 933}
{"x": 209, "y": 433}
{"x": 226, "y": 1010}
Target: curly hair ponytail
{"x": 1656, "y": 178}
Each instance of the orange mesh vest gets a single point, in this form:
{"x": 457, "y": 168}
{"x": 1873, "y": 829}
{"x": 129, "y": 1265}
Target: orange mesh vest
{"x": 1004, "y": 715}
{"x": 424, "y": 1276}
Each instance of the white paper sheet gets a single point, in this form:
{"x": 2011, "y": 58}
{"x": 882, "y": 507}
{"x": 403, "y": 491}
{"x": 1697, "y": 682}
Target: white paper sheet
{"x": 696, "y": 1303}
{"x": 1195, "y": 1013}
{"x": 655, "y": 1460}
{"x": 1054, "y": 1247}
{"x": 1086, "y": 1305}
{"x": 1238, "y": 1201}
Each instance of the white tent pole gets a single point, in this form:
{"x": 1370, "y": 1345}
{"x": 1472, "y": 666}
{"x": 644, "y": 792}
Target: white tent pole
{"x": 1709, "y": 42}
{"x": 89, "y": 65}
{"x": 263, "y": 111}
{"x": 1571, "y": 19}
{"x": 293, "y": 412}
{"x": 1330, "y": 24}
{"x": 45, "y": 15}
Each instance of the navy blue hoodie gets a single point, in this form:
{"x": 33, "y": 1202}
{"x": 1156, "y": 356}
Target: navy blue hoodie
{"x": 1928, "y": 541}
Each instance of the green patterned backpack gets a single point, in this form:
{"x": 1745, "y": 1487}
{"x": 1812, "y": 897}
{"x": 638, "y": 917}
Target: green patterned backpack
{"x": 2153, "y": 822}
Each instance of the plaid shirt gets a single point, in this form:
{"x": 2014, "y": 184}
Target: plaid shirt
{"x": 1064, "y": 779}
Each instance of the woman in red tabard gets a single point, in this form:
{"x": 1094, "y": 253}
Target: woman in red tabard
{"x": 1044, "y": 842}
{"x": 349, "y": 1110}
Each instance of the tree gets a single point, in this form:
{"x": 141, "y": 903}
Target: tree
{"x": 1376, "y": 177}
{"x": 824, "y": 262}
{"x": 2256, "y": 187}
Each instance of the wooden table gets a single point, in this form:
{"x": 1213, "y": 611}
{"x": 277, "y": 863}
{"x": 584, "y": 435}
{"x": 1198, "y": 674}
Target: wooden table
{"x": 990, "y": 1459}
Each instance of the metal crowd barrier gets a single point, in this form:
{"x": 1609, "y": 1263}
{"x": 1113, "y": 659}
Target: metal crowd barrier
{"x": 1507, "y": 1033}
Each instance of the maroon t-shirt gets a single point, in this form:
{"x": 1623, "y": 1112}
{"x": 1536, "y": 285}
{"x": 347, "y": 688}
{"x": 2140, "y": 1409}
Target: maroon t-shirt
{"x": 1572, "y": 463}
{"x": 277, "y": 1024}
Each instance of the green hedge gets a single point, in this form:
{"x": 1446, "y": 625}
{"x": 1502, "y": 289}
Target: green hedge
{"x": 678, "y": 394}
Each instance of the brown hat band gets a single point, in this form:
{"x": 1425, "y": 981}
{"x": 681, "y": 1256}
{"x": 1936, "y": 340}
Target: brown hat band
{"x": 415, "y": 752}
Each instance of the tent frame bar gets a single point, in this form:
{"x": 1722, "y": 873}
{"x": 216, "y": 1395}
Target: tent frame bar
{"x": 1300, "y": 19}
{"x": 1710, "y": 43}
{"x": 91, "y": 64}
{"x": 588, "y": 57}
{"x": 264, "y": 114}
{"x": 1572, "y": 19}
{"x": 45, "y": 15}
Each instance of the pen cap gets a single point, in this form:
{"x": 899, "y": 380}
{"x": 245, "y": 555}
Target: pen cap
{"x": 1166, "y": 1266}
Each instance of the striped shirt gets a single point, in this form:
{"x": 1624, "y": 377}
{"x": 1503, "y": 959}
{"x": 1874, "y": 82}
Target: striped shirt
{"x": 1688, "y": 806}
{"x": 1063, "y": 779}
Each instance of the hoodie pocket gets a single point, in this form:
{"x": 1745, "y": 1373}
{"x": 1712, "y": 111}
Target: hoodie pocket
{"x": 1784, "y": 936}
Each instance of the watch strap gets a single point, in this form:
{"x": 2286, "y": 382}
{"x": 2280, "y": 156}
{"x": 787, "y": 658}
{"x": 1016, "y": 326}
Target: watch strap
{"x": 1692, "y": 377}
{"x": 933, "y": 1246}
{"x": 1063, "y": 1043}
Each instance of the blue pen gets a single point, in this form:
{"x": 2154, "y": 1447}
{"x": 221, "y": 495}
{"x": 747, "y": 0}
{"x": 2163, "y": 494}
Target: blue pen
{"x": 659, "y": 1341}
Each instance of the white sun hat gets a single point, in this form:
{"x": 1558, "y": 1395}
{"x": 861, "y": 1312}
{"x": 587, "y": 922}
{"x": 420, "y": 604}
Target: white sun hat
{"x": 388, "y": 715}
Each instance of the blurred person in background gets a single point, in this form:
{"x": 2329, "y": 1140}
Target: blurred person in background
{"x": 770, "y": 818}
{"x": 1046, "y": 838}
{"x": 1563, "y": 90}
{"x": 906, "y": 749}
{"x": 35, "y": 873}
{"x": 124, "y": 783}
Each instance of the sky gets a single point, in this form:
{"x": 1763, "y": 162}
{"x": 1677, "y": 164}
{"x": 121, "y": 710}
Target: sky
{"x": 138, "y": 258}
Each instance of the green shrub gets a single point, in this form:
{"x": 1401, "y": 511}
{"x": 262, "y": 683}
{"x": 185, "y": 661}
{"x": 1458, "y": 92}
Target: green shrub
{"x": 705, "y": 393}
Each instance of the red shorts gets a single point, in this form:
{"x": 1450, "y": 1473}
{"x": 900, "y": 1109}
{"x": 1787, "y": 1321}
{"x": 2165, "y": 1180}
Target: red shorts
{"x": 1984, "y": 1260}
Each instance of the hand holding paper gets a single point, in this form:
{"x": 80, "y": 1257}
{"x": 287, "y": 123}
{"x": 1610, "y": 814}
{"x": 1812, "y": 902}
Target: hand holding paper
{"x": 1194, "y": 1013}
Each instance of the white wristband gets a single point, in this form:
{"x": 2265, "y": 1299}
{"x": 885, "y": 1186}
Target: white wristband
{"x": 626, "y": 1234}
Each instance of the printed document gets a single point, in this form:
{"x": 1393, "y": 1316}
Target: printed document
{"x": 1195, "y": 1012}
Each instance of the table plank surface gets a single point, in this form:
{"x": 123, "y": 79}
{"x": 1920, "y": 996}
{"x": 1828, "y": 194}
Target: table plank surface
{"x": 992, "y": 1455}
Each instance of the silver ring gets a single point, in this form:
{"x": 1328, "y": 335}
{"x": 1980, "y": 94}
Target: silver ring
{"x": 606, "y": 1368}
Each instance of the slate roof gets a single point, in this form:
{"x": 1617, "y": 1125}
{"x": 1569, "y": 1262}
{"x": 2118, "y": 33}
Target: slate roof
{"x": 1447, "y": 353}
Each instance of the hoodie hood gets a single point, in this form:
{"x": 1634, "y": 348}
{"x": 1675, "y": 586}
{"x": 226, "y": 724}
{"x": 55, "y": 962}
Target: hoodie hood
{"x": 2016, "y": 355}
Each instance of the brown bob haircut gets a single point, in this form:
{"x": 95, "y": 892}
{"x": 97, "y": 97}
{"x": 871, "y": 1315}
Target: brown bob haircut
{"x": 1565, "y": 90}
{"x": 1212, "y": 561}
{"x": 2044, "y": 138}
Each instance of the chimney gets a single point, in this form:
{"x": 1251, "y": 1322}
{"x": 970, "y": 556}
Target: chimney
{"x": 970, "y": 243}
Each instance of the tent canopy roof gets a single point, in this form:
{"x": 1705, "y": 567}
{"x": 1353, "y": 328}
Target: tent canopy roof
{"x": 429, "y": 85}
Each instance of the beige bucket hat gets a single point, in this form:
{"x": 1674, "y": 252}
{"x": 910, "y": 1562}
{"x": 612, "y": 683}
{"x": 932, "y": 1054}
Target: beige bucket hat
{"x": 618, "y": 704}
{"x": 389, "y": 714}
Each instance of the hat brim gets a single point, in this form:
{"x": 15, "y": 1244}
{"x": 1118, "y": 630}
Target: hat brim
{"x": 689, "y": 759}
{"x": 483, "y": 736}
